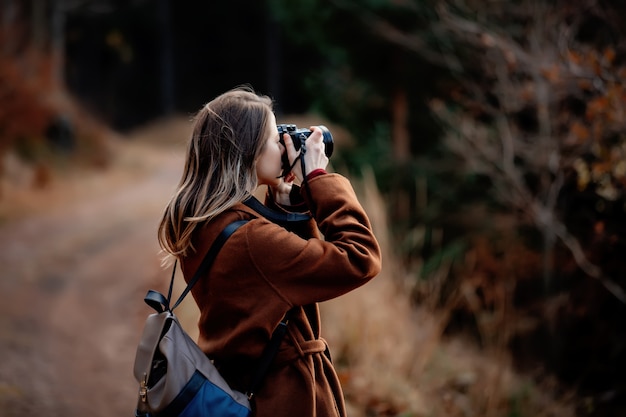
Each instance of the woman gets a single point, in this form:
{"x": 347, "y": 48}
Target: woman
{"x": 277, "y": 261}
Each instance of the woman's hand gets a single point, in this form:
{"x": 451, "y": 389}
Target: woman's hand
{"x": 283, "y": 189}
{"x": 314, "y": 157}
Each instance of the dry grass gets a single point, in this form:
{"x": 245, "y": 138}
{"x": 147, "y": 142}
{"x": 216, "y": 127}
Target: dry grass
{"x": 394, "y": 361}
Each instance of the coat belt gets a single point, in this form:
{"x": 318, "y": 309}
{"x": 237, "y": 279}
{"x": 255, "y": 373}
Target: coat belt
{"x": 301, "y": 350}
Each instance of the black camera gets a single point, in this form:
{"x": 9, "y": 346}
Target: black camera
{"x": 299, "y": 136}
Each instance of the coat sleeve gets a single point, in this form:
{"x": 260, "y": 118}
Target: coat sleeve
{"x": 304, "y": 271}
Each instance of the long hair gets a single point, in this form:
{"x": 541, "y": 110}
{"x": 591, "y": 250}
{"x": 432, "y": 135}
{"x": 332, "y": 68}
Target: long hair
{"x": 220, "y": 166}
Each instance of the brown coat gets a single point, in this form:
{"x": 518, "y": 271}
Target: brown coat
{"x": 263, "y": 271}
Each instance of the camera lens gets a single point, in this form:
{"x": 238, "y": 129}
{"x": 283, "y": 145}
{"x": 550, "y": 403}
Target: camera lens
{"x": 328, "y": 140}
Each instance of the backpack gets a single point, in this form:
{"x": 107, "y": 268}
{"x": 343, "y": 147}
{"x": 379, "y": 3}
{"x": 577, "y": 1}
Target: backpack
{"x": 176, "y": 378}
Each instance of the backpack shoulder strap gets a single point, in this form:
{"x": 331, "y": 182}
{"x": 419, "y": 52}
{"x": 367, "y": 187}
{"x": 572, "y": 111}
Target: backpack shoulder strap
{"x": 269, "y": 353}
{"x": 157, "y": 301}
{"x": 208, "y": 259}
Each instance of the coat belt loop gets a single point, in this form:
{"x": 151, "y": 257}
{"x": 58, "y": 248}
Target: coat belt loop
{"x": 309, "y": 347}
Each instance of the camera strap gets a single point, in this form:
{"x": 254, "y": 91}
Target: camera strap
{"x": 287, "y": 171}
{"x": 305, "y": 183}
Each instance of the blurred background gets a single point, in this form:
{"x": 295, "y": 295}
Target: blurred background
{"x": 486, "y": 139}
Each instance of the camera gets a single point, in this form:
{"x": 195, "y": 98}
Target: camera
{"x": 299, "y": 136}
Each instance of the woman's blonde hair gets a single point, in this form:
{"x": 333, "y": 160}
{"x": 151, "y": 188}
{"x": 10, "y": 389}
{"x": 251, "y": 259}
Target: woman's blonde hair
{"x": 220, "y": 165}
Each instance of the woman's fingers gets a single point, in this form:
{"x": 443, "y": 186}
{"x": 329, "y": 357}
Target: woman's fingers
{"x": 292, "y": 155}
{"x": 289, "y": 147}
{"x": 315, "y": 156}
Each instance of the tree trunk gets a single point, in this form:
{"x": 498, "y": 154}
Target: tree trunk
{"x": 399, "y": 130}
{"x": 167, "y": 68}
{"x": 57, "y": 44}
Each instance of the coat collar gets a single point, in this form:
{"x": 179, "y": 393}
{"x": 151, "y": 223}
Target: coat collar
{"x": 274, "y": 216}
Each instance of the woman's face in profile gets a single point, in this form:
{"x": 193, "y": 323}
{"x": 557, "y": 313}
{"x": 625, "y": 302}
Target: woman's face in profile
{"x": 268, "y": 166}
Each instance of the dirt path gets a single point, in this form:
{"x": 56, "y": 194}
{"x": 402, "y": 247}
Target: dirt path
{"x": 72, "y": 278}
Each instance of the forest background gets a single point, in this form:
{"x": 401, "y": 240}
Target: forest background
{"x": 494, "y": 132}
